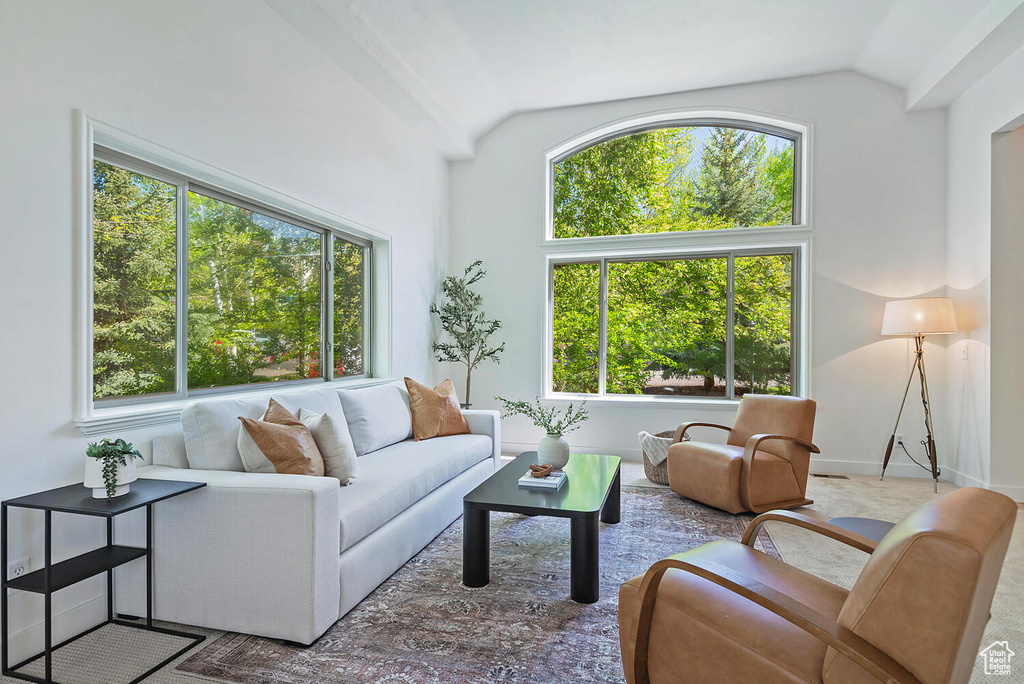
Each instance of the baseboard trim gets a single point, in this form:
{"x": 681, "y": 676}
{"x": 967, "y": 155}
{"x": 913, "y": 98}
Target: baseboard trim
{"x": 1015, "y": 493}
{"x": 635, "y": 455}
{"x": 66, "y": 624}
{"x": 896, "y": 468}
{"x": 817, "y": 465}
{"x": 821, "y": 465}
{"x": 962, "y": 480}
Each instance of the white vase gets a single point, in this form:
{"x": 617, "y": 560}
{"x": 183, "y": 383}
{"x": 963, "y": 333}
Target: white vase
{"x": 553, "y": 450}
{"x": 94, "y": 477}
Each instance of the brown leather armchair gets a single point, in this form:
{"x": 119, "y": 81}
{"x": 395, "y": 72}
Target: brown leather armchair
{"x": 763, "y": 464}
{"x": 724, "y": 612}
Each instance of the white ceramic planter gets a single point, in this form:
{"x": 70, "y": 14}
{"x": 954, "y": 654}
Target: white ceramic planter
{"x": 94, "y": 477}
{"x": 553, "y": 449}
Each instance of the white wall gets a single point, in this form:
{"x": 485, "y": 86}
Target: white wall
{"x": 231, "y": 84}
{"x": 984, "y": 392}
{"x": 878, "y": 217}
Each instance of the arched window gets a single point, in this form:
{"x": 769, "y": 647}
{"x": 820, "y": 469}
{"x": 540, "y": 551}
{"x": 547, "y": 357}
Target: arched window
{"x": 653, "y": 293}
{"x": 694, "y": 176}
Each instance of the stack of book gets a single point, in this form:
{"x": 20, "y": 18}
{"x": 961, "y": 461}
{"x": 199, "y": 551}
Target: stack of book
{"x": 548, "y": 482}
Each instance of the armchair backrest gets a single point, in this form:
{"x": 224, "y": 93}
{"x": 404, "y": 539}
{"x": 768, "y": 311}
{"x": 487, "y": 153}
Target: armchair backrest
{"x": 924, "y": 596}
{"x": 777, "y": 415}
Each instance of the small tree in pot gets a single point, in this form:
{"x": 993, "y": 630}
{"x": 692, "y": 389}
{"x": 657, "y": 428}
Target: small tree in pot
{"x": 466, "y": 324}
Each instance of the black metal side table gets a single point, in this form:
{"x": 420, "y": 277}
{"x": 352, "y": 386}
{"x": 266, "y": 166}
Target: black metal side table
{"x": 52, "y": 577}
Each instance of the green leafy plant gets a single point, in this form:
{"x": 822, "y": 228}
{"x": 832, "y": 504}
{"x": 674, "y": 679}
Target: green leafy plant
{"x": 551, "y": 420}
{"x": 113, "y": 454}
{"x": 465, "y": 323}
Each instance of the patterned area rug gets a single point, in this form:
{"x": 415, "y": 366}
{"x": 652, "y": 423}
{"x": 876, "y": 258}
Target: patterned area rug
{"x": 423, "y": 627}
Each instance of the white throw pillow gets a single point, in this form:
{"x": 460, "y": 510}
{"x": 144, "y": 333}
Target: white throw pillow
{"x": 169, "y": 450}
{"x": 210, "y": 428}
{"x": 253, "y": 460}
{"x": 334, "y": 442}
{"x": 377, "y": 416}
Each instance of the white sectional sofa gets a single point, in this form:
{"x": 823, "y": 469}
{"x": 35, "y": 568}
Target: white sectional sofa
{"x": 284, "y": 556}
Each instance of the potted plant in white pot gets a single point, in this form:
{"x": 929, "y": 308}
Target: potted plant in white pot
{"x": 110, "y": 467}
{"x": 553, "y": 449}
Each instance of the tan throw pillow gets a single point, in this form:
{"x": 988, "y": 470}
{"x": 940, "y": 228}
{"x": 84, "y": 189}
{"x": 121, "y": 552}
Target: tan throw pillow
{"x": 280, "y": 439}
{"x": 435, "y": 412}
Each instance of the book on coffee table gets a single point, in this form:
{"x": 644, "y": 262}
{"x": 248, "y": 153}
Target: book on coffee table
{"x": 552, "y": 481}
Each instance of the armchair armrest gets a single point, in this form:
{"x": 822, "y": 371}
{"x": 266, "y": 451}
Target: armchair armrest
{"x": 250, "y": 552}
{"x": 748, "y": 464}
{"x": 486, "y": 422}
{"x": 681, "y": 435}
{"x": 808, "y": 523}
{"x": 755, "y": 441}
{"x": 860, "y": 651}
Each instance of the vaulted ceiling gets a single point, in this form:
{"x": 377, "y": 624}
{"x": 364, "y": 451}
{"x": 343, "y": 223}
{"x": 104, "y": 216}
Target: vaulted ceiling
{"x": 455, "y": 68}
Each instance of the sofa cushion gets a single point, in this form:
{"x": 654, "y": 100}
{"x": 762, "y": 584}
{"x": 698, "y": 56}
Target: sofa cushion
{"x": 334, "y": 442}
{"x": 377, "y": 416}
{"x": 395, "y": 477}
{"x": 210, "y": 426}
{"x": 169, "y": 450}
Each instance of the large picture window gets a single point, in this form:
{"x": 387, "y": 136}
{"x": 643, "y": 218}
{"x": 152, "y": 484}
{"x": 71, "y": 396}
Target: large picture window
{"x": 197, "y": 290}
{"x": 702, "y": 314}
{"x": 714, "y": 326}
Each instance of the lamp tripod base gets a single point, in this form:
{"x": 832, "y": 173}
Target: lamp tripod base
{"x": 929, "y": 442}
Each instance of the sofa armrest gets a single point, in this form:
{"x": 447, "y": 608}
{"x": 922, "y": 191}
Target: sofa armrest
{"x": 250, "y": 552}
{"x": 486, "y": 422}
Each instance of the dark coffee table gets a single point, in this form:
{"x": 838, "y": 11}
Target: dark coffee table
{"x": 590, "y": 494}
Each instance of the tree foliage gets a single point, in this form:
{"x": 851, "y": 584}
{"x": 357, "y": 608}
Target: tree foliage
{"x": 465, "y": 323}
{"x": 134, "y": 279}
{"x": 667, "y": 318}
{"x": 575, "y": 331}
{"x": 254, "y": 292}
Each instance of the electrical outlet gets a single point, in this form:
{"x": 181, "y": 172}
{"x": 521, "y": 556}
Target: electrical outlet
{"x": 899, "y": 440}
{"x": 17, "y": 568}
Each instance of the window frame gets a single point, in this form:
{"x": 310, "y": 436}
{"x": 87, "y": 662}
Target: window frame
{"x": 730, "y": 256}
{"x": 744, "y": 241}
{"x": 97, "y": 141}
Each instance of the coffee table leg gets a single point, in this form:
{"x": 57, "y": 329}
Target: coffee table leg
{"x": 610, "y": 512}
{"x": 583, "y": 579}
{"x": 476, "y": 546}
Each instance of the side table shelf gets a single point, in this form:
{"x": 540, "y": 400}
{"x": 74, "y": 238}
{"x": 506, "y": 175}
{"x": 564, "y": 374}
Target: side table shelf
{"x": 52, "y": 577}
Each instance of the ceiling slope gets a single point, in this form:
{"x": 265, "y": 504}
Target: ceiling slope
{"x": 455, "y": 68}
{"x": 994, "y": 34}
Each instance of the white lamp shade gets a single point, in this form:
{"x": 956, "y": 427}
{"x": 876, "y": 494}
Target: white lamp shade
{"x": 922, "y": 316}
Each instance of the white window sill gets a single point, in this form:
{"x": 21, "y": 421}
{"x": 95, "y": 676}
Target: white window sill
{"x": 104, "y": 421}
{"x": 644, "y": 401}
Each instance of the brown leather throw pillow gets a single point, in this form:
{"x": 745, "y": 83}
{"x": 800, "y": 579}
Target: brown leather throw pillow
{"x": 435, "y": 412}
{"x": 285, "y": 441}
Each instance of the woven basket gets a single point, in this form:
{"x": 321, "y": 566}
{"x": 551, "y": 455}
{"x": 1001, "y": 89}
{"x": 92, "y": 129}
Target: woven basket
{"x": 658, "y": 473}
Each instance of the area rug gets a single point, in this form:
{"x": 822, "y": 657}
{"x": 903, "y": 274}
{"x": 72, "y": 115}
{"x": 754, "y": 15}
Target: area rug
{"x": 423, "y": 627}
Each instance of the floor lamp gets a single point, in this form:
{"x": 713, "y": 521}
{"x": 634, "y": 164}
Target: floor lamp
{"x": 918, "y": 317}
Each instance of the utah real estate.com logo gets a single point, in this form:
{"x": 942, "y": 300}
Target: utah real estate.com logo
{"x": 997, "y": 658}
